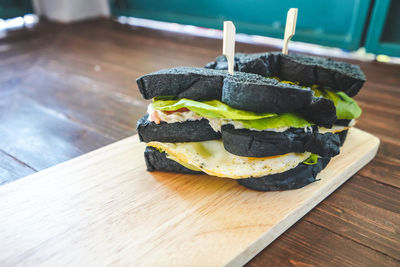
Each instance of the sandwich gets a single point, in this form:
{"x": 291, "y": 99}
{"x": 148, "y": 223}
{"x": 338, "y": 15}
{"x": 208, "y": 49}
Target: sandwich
{"x": 252, "y": 126}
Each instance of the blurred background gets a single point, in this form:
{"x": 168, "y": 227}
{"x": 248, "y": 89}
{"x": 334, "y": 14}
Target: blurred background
{"x": 371, "y": 27}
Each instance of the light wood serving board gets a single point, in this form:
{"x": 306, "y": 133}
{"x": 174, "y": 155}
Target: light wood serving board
{"x": 104, "y": 208}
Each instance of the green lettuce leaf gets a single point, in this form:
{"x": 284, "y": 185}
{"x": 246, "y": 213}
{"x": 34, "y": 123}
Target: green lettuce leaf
{"x": 311, "y": 160}
{"x": 346, "y": 107}
{"x": 209, "y": 109}
{"x": 217, "y": 109}
{"x": 283, "y": 120}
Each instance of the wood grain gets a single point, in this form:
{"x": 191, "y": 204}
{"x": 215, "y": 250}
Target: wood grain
{"x": 376, "y": 221}
{"x": 104, "y": 209}
{"x": 11, "y": 168}
{"x": 40, "y": 137}
{"x": 76, "y": 91}
{"x": 307, "y": 244}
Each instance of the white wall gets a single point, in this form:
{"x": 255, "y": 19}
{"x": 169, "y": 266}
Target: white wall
{"x": 71, "y": 10}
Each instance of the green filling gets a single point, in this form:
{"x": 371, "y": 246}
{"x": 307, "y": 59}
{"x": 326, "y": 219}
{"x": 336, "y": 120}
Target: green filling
{"x": 346, "y": 107}
{"x": 217, "y": 109}
{"x": 282, "y": 120}
{"x": 311, "y": 160}
{"x": 209, "y": 109}
{"x": 159, "y": 150}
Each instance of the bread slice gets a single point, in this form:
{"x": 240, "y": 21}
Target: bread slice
{"x": 307, "y": 70}
{"x": 247, "y": 143}
{"x": 183, "y": 82}
{"x": 321, "y": 111}
{"x": 259, "y": 94}
{"x": 245, "y": 91}
{"x": 188, "y": 131}
{"x": 295, "y": 178}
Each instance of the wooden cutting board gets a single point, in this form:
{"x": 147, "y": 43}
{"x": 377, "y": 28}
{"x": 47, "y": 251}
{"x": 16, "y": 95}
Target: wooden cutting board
{"x": 103, "y": 208}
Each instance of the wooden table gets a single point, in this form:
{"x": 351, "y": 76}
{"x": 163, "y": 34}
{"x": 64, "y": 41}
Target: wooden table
{"x": 68, "y": 89}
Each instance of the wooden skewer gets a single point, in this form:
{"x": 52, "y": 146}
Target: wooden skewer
{"x": 229, "y": 44}
{"x": 289, "y": 29}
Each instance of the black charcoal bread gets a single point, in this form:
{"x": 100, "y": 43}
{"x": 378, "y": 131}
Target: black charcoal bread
{"x": 261, "y": 63}
{"x": 308, "y": 70}
{"x": 247, "y": 143}
{"x": 321, "y": 111}
{"x": 188, "y": 131}
{"x": 257, "y": 94}
{"x": 158, "y": 161}
{"x": 295, "y": 178}
{"x": 342, "y": 122}
{"x": 186, "y": 82}
{"x": 342, "y": 135}
{"x": 183, "y": 82}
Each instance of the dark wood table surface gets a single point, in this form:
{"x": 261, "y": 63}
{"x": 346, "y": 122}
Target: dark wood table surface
{"x": 68, "y": 89}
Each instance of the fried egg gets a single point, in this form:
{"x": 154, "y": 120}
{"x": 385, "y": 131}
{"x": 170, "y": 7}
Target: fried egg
{"x": 211, "y": 158}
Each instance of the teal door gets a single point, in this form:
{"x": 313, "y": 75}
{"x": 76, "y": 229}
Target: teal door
{"x": 383, "y": 35}
{"x": 338, "y": 23}
{"x": 14, "y": 8}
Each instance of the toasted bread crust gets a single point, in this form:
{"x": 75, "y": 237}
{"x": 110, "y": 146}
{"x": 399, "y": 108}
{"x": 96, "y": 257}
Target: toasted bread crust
{"x": 307, "y": 70}
{"x": 295, "y": 178}
{"x": 247, "y": 143}
{"x": 188, "y": 131}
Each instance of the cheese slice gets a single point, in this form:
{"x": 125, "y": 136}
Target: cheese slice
{"x": 211, "y": 158}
